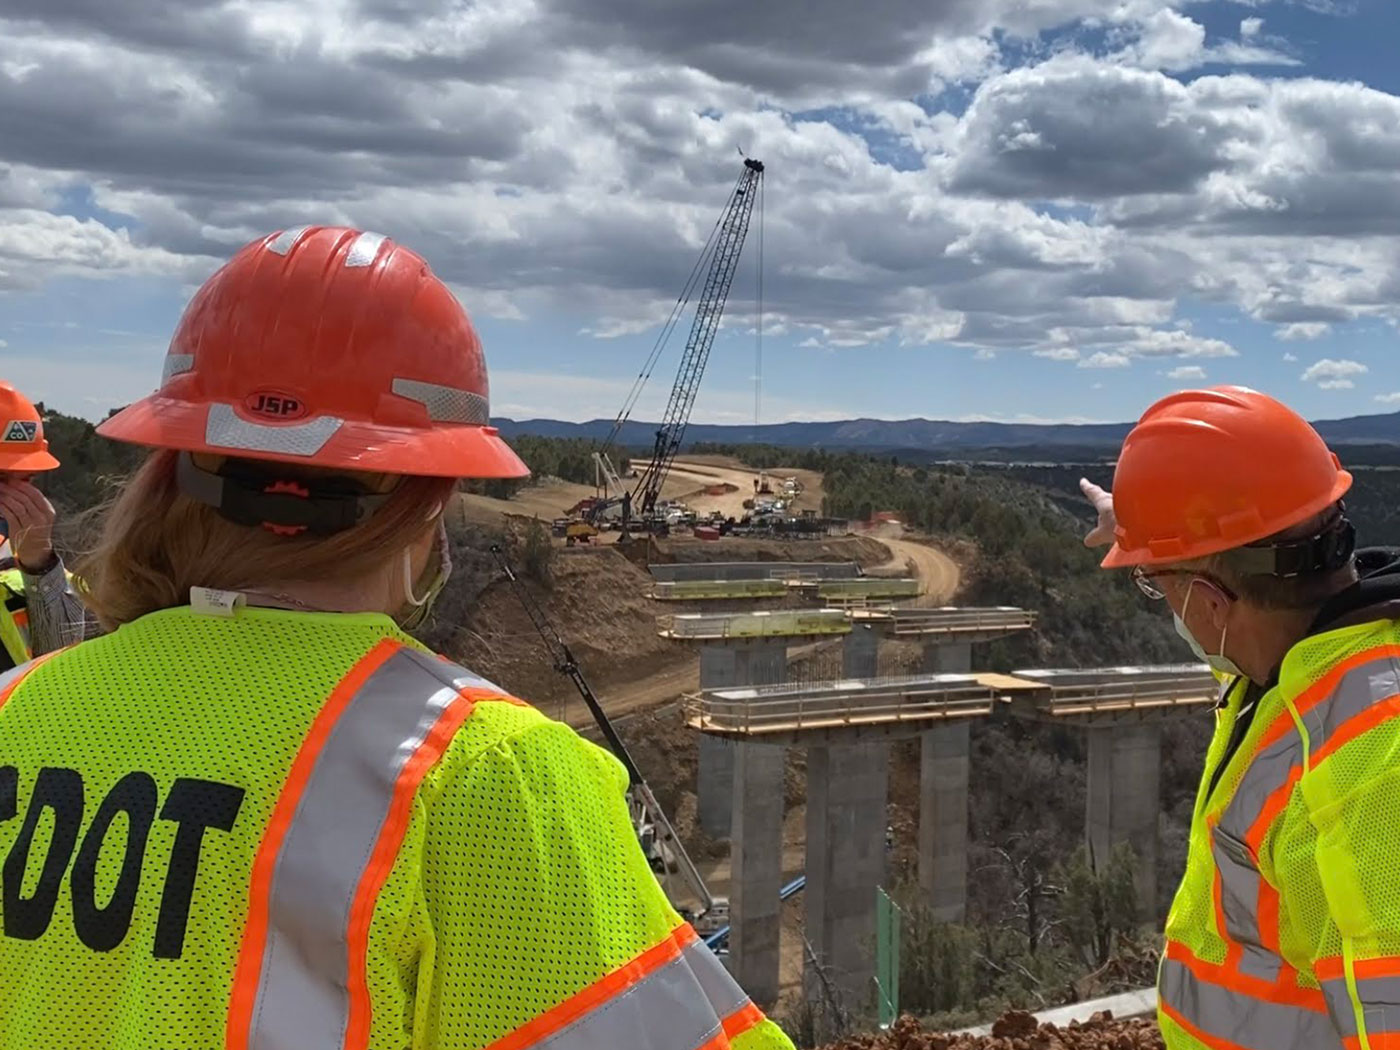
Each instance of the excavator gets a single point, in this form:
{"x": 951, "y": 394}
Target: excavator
{"x": 665, "y": 853}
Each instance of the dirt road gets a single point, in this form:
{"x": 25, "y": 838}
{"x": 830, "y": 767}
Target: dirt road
{"x": 938, "y": 574}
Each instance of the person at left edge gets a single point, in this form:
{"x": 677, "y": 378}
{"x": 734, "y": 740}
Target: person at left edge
{"x": 257, "y": 814}
{"x": 38, "y": 610}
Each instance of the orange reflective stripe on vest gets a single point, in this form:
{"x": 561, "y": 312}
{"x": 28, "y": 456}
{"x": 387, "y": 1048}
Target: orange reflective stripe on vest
{"x": 1255, "y": 999}
{"x": 333, "y": 837}
{"x": 1377, "y": 985}
{"x": 1231, "y": 1017}
{"x": 1355, "y": 696}
{"x": 674, "y": 996}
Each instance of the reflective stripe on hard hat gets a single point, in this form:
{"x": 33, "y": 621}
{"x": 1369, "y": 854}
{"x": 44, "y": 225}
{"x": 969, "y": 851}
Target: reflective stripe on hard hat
{"x": 674, "y": 996}
{"x": 337, "y": 826}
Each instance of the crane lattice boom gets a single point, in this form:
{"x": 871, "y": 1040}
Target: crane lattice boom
{"x": 734, "y": 227}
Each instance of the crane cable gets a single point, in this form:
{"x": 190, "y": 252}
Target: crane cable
{"x": 664, "y": 335}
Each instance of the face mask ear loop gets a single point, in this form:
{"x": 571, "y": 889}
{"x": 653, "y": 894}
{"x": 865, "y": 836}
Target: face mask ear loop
{"x": 408, "y": 594}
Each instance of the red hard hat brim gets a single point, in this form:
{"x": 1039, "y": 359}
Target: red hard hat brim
{"x": 33, "y": 462}
{"x": 1118, "y": 558}
{"x": 463, "y": 451}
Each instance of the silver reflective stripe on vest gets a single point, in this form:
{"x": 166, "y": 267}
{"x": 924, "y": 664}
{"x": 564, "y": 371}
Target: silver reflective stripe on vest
{"x": 1358, "y": 689}
{"x": 1268, "y": 773}
{"x": 1380, "y": 1001}
{"x": 14, "y": 674}
{"x": 224, "y": 429}
{"x": 1239, "y": 900}
{"x": 666, "y": 1010}
{"x": 445, "y": 404}
{"x": 720, "y": 989}
{"x": 1242, "y": 1019}
{"x": 303, "y": 999}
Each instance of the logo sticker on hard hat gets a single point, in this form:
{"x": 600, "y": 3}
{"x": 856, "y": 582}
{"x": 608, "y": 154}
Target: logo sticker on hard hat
{"x": 23, "y": 431}
{"x": 271, "y": 404}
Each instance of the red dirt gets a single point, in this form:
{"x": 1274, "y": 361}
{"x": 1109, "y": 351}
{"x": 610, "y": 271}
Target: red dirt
{"x": 1017, "y": 1031}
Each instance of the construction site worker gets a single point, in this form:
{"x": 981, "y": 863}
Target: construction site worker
{"x": 38, "y": 609}
{"x": 1285, "y": 932}
{"x": 258, "y": 814}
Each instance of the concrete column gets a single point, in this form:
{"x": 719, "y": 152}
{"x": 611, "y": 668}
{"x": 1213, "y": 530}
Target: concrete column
{"x": 847, "y": 790}
{"x": 947, "y": 657}
{"x": 860, "y": 653}
{"x": 756, "y": 865}
{"x": 724, "y": 666}
{"x": 943, "y": 801}
{"x": 1124, "y": 799}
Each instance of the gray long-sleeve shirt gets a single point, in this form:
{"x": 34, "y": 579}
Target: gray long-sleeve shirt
{"x": 57, "y": 617}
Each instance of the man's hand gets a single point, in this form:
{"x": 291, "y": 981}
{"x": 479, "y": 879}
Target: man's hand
{"x": 1103, "y": 533}
{"x": 31, "y": 517}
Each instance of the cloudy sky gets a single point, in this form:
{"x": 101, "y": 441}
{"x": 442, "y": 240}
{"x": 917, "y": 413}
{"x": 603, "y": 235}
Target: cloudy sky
{"x": 1011, "y": 209}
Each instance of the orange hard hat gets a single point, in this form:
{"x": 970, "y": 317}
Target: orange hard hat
{"x": 1206, "y": 471}
{"x": 23, "y": 449}
{"x": 328, "y": 347}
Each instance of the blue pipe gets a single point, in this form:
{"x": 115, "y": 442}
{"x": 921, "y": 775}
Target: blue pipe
{"x": 720, "y": 938}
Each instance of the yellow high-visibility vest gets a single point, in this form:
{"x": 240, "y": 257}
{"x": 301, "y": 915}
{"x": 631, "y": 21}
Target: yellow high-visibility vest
{"x": 281, "y": 829}
{"x": 1285, "y": 933}
{"x": 14, "y": 619}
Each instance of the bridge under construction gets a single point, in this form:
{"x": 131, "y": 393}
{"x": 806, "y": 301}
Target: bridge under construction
{"x": 747, "y": 716}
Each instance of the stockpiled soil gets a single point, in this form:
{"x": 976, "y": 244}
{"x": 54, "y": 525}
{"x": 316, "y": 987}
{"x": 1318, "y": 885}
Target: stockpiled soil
{"x": 1017, "y": 1031}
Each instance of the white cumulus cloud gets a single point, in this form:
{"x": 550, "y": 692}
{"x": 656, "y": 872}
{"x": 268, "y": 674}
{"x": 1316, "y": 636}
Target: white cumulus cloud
{"x": 1330, "y": 374}
{"x": 1106, "y": 359}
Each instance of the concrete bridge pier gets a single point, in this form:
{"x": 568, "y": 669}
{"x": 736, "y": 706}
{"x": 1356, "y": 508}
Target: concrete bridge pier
{"x": 756, "y": 869}
{"x": 847, "y": 790}
{"x": 1124, "y": 799}
{"x": 944, "y": 764}
{"x": 860, "y": 652}
{"x": 947, "y": 657}
{"x": 760, "y": 661}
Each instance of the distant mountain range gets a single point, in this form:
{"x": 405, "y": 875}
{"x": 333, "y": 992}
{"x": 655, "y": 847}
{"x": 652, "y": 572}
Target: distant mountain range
{"x": 922, "y": 435}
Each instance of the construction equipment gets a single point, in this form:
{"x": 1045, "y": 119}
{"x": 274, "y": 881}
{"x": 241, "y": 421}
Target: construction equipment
{"x": 721, "y": 252}
{"x": 663, "y": 848}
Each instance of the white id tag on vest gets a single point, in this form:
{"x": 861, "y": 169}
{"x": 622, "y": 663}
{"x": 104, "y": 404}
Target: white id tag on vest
{"x": 208, "y": 602}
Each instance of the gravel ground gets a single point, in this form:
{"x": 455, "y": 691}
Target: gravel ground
{"x": 1017, "y": 1031}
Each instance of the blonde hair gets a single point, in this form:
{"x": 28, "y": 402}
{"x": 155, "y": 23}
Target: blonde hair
{"x": 155, "y": 543}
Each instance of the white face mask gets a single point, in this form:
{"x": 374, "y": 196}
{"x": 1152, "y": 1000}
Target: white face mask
{"x": 417, "y": 609}
{"x": 1219, "y": 662}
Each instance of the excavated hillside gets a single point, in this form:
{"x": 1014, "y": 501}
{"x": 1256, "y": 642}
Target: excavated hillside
{"x": 598, "y": 600}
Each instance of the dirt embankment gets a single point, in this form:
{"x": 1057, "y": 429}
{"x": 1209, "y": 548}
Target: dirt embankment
{"x": 598, "y": 601}
{"x": 1017, "y": 1031}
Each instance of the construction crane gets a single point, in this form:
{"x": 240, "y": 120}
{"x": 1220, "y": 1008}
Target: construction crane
{"x": 722, "y": 252}
{"x": 663, "y": 848}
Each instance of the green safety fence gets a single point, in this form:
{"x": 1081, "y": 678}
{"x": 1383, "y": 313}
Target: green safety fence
{"x": 887, "y": 926}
